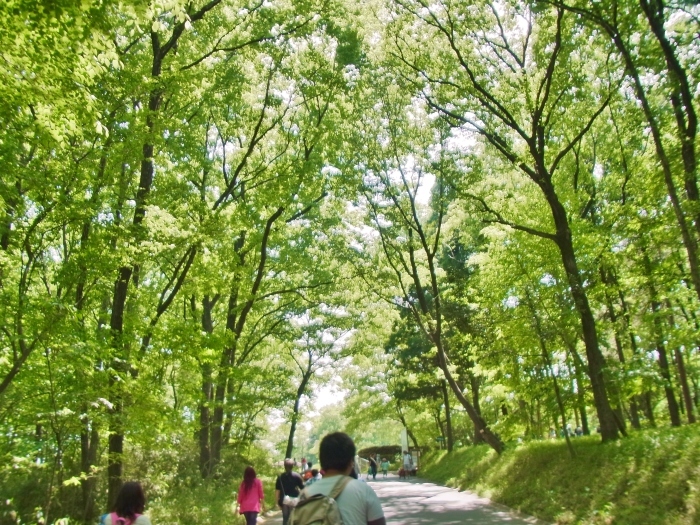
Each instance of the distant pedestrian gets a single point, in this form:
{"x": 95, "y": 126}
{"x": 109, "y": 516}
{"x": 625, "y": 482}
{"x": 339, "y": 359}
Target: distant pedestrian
{"x": 373, "y": 466}
{"x": 407, "y": 462}
{"x": 385, "y": 467}
{"x": 129, "y": 507}
{"x": 287, "y": 488}
{"x": 315, "y": 476}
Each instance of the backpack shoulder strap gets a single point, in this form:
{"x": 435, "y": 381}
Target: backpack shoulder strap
{"x": 339, "y": 486}
{"x": 303, "y": 495}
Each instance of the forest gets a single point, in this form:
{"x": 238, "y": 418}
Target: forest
{"x": 475, "y": 220}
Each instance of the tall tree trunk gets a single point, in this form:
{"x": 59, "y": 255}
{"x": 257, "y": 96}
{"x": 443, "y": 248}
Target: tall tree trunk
{"x": 647, "y": 405}
{"x": 295, "y": 413}
{"x": 682, "y": 99}
{"x": 205, "y": 460}
{"x": 89, "y": 442}
{"x": 413, "y": 437}
{"x": 609, "y": 280}
{"x": 448, "y": 416}
{"x": 89, "y": 435}
{"x": 216, "y": 426}
{"x": 205, "y": 421}
{"x": 682, "y": 374}
{"x": 584, "y": 419}
{"x": 579, "y": 372}
{"x": 550, "y": 369}
{"x": 685, "y": 387}
{"x": 481, "y": 428}
{"x": 673, "y": 409}
{"x": 439, "y": 425}
{"x": 121, "y": 286}
{"x": 475, "y": 390}
{"x": 596, "y": 361}
{"x": 635, "y": 403}
{"x": 115, "y": 466}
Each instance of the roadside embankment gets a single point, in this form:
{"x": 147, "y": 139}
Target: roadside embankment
{"x": 652, "y": 477}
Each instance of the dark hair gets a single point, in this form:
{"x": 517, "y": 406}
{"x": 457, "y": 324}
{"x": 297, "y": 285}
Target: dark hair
{"x": 130, "y": 500}
{"x": 336, "y": 451}
{"x": 248, "y": 477}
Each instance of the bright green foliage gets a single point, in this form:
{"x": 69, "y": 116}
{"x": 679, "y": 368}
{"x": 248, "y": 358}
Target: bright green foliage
{"x": 647, "y": 478}
{"x": 210, "y": 210}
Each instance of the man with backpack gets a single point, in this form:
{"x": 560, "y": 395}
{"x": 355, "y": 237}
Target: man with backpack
{"x": 338, "y": 499}
{"x": 287, "y": 488}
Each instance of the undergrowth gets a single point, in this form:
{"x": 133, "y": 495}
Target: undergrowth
{"x": 650, "y": 478}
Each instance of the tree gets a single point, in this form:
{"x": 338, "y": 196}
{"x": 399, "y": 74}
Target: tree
{"x": 320, "y": 344}
{"x": 537, "y": 68}
{"x": 397, "y": 166}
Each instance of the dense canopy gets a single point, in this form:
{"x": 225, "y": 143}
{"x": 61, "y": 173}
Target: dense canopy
{"x": 477, "y": 220}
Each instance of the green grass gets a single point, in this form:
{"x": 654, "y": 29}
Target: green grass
{"x": 650, "y": 478}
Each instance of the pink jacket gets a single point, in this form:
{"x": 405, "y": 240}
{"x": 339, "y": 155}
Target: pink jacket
{"x": 249, "y": 500}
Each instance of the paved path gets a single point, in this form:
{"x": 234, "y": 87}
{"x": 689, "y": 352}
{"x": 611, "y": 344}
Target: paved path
{"x": 419, "y": 502}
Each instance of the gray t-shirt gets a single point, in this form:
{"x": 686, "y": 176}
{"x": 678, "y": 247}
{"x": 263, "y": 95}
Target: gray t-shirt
{"x": 358, "y": 503}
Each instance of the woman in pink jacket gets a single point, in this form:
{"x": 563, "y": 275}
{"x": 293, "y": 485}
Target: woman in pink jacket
{"x": 250, "y": 496}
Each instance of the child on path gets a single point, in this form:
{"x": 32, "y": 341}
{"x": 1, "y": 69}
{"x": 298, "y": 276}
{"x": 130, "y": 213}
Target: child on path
{"x": 385, "y": 467}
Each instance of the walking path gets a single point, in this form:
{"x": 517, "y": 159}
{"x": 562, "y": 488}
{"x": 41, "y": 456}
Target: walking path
{"x": 419, "y": 502}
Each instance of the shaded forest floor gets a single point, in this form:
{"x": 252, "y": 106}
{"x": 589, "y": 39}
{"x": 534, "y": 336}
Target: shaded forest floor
{"x": 652, "y": 477}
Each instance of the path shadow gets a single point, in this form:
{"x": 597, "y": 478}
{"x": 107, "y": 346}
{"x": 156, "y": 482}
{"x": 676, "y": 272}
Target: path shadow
{"x": 418, "y": 502}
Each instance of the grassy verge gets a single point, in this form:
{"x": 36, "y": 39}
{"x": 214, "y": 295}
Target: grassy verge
{"x": 650, "y": 478}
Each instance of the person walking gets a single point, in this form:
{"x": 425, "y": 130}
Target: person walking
{"x": 287, "y": 488}
{"x": 250, "y": 496}
{"x": 357, "y": 503}
{"x": 128, "y": 508}
{"x": 373, "y": 466}
{"x": 407, "y": 463}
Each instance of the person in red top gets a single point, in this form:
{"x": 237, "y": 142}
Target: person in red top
{"x": 250, "y": 496}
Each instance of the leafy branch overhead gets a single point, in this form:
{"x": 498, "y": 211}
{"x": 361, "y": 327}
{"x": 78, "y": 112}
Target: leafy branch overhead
{"x": 229, "y": 226}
